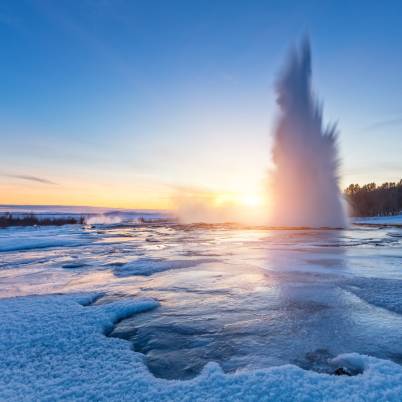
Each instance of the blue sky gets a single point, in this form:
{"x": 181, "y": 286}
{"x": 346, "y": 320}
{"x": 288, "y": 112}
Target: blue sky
{"x": 119, "y": 103}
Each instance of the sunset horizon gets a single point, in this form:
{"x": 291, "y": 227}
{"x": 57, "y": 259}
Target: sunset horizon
{"x": 201, "y": 201}
{"x": 110, "y": 112}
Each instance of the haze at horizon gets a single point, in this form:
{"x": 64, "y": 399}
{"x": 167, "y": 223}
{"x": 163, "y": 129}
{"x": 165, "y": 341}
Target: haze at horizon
{"x": 122, "y": 104}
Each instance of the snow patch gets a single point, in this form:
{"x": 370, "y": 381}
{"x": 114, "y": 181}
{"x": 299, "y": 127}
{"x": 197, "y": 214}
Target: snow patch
{"x": 379, "y": 220}
{"x": 30, "y": 244}
{"x": 149, "y": 266}
{"x": 53, "y": 348}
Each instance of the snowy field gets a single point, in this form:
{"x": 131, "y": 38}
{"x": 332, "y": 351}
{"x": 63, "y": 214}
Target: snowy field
{"x": 165, "y": 312}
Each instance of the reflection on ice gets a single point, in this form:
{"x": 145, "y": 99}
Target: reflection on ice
{"x": 245, "y": 298}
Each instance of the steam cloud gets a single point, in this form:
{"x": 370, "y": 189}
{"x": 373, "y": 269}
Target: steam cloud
{"x": 305, "y": 183}
{"x": 303, "y": 189}
{"x": 194, "y": 206}
{"x": 103, "y": 219}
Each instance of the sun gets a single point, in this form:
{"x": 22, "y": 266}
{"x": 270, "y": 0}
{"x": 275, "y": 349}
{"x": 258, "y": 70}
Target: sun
{"x": 243, "y": 199}
{"x": 250, "y": 200}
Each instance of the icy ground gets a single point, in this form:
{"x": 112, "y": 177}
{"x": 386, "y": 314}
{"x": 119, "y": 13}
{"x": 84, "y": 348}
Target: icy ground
{"x": 272, "y": 308}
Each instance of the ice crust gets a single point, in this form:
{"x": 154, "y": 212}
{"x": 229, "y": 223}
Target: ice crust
{"x": 380, "y": 220}
{"x": 149, "y": 266}
{"x": 31, "y": 238}
{"x": 55, "y": 347}
{"x": 27, "y": 244}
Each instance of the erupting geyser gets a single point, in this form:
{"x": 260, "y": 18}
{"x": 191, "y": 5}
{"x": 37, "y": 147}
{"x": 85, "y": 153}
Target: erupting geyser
{"x": 305, "y": 182}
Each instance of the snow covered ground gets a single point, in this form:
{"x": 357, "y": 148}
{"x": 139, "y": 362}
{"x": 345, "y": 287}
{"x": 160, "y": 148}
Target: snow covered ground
{"x": 216, "y": 313}
{"x": 54, "y": 348}
{"x": 92, "y": 215}
{"x": 379, "y": 220}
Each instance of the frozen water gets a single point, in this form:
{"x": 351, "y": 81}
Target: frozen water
{"x": 149, "y": 266}
{"x": 247, "y": 299}
{"x": 54, "y": 348}
{"x": 31, "y": 238}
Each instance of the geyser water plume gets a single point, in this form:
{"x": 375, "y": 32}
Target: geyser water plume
{"x": 305, "y": 182}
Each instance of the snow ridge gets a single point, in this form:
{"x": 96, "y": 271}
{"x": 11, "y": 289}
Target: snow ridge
{"x": 52, "y": 348}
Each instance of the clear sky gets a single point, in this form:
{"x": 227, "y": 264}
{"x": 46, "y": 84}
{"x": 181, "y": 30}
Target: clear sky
{"x": 123, "y": 103}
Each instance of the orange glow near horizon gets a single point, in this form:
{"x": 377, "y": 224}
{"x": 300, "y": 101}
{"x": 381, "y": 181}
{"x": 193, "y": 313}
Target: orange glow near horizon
{"x": 247, "y": 206}
{"x": 84, "y": 195}
{"x": 136, "y": 195}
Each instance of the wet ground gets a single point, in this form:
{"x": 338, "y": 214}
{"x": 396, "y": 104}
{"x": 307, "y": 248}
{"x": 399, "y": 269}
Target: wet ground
{"x": 243, "y": 297}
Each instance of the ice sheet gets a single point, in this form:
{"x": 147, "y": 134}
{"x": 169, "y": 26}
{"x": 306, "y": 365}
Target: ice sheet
{"x": 249, "y": 299}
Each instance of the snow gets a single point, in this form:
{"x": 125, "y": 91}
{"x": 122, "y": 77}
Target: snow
{"x": 57, "y": 210}
{"x": 380, "y": 220}
{"x": 251, "y": 301}
{"x": 381, "y": 292}
{"x": 54, "y": 347}
{"x": 29, "y": 238}
{"x": 28, "y": 244}
{"x": 149, "y": 266}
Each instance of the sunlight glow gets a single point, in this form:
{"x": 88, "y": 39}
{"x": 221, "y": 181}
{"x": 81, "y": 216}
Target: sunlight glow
{"x": 251, "y": 200}
{"x": 244, "y": 199}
